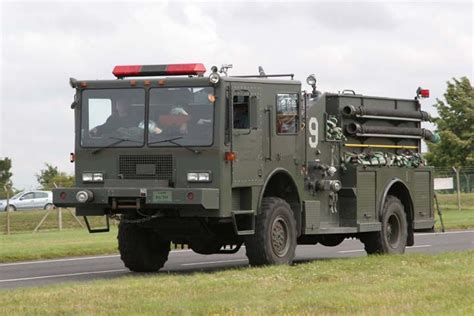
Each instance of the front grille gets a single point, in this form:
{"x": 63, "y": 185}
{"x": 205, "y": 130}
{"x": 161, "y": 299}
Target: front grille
{"x": 146, "y": 167}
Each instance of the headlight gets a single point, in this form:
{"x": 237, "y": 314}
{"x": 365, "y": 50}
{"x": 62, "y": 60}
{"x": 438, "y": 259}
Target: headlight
{"x": 92, "y": 177}
{"x": 98, "y": 177}
{"x": 311, "y": 80}
{"x": 199, "y": 177}
{"x": 214, "y": 78}
{"x": 192, "y": 177}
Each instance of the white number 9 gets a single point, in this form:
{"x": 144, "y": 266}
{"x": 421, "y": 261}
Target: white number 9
{"x": 313, "y": 130}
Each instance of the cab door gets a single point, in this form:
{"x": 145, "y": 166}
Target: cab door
{"x": 245, "y": 118}
{"x": 286, "y": 150}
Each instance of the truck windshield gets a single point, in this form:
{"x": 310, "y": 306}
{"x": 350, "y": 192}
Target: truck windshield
{"x": 184, "y": 114}
{"x": 111, "y": 114}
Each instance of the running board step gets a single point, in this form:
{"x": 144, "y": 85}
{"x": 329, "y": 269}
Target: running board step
{"x": 244, "y": 222}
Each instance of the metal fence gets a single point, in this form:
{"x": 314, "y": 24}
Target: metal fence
{"x": 462, "y": 177}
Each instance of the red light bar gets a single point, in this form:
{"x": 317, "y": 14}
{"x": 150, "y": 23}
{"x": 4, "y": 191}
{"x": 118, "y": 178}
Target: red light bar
{"x": 158, "y": 70}
{"x": 424, "y": 93}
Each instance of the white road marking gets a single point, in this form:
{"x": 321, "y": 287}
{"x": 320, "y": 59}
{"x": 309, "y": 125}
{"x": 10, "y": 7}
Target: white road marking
{"x": 446, "y": 233}
{"x": 211, "y": 262}
{"x": 74, "y": 259}
{"x": 56, "y": 260}
{"x": 419, "y": 246}
{"x": 349, "y": 251}
{"x": 62, "y": 275}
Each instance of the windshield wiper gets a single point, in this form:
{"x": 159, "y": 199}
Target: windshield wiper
{"x": 118, "y": 141}
{"x": 172, "y": 141}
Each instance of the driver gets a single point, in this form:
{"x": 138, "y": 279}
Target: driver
{"x": 120, "y": 118}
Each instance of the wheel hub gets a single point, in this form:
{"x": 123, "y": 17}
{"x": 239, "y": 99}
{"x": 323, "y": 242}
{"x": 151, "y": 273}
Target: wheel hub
{"x": 393, "y": 230}
{"x": 279, "y": 236}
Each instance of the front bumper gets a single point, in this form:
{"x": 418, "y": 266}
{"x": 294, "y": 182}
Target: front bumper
{"x": 116, "y": 198}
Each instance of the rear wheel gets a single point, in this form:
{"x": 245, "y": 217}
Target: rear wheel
{"x": 274, "y": 241}
{"x": 142, "y": 249}
{"x": 392, "y": 239}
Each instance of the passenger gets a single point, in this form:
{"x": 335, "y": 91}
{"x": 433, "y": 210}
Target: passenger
{"x": 174, "y": 123}
{"x": 120, "y": 118}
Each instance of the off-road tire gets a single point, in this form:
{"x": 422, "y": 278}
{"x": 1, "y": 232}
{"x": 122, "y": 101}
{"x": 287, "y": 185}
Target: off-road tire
{"x": 392, "y": 239}
{"x": 274, "y": 241}
{"x": 142, "y": 249}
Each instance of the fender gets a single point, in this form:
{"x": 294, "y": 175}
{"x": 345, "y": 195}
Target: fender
{"x": 385, "y": 193}
{"x": 267, "y": 180}
{"x": 264, "y": 188}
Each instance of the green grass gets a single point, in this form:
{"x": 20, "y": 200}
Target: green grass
{"x": 454, "y": 219}
{"x": 52, "y": 244}
{"x": 26, "y": 221}
{"x": 410, "y": 284}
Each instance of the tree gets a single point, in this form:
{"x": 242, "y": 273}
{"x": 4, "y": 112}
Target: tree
{"x": 5, "y": 177}
{"x": 455, "y": 127}
{"x": 51, "y": 175}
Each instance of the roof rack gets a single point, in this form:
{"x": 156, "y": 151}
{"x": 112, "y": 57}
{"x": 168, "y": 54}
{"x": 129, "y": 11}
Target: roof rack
{"x": 266, "y": 76}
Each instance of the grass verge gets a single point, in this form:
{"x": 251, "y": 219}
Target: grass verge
{"x": 54, "y": 244}
{"x": 409, "y": 284}
{"x": 453, "y": 218}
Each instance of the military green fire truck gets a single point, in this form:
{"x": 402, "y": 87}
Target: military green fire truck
{"x": 217, "y": 161}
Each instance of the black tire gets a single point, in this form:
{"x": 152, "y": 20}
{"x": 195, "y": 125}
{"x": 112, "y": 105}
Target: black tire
{"x": 274, "y": 241}
{"x": 10, "y": 208}
{"x": 206, "y": 246}
{"x": 331, "y": 240}
{"x": 392, "y": 239}
{"x": 142, "y": 249}
{"x": 48, "y": 206}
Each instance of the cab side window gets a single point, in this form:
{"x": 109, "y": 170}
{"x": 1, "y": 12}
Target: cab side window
{"x": 241, "y": 112}
{"x": 287, "y": 113}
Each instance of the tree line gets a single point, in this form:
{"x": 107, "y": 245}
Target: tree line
{"x": 48, "y": 178}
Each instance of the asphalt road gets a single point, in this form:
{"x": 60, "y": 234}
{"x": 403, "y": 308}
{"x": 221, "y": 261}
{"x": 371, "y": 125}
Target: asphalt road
{"x": 34, "y": 273}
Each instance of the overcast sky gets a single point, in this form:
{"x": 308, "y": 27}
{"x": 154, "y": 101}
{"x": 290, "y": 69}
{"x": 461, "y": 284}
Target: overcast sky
{"x": 374, "y": 48}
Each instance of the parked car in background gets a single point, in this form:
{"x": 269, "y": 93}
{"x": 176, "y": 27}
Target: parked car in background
{"x": 29, "y": 200}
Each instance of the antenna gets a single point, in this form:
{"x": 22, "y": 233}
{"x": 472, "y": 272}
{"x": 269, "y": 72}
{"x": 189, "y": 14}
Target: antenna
{"x": 225, "y": 68}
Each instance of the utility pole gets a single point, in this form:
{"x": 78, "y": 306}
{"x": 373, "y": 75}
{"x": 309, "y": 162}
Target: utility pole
{"x": 458, "y": 186}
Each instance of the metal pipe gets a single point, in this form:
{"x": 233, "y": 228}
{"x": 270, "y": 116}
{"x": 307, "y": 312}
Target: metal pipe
{"x": 361, "y": 111}
{"x": 355, "y": 128}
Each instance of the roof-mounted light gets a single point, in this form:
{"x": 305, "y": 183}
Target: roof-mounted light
{"x": 424, "y": 93}
{"x": 158, "y": 70}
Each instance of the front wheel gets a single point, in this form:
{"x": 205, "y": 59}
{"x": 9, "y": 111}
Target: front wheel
{"x": 392, "y": 239}
{"x": 274, "y": 241}
{"x": 142, "y": 249}
{"x": 10, "y": 208}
